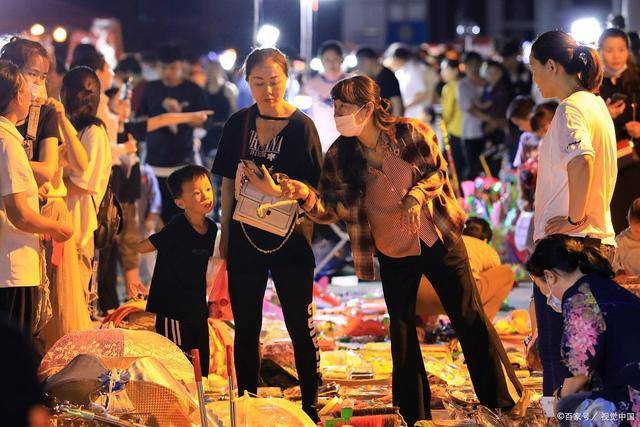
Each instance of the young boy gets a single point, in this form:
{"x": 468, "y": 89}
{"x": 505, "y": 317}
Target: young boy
{"x": 184, "y": 245}
{"x": 627, "y": 259}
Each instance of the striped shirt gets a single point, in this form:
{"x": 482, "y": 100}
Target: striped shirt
{"x": 416, "y": 144}
{"x": 385, "y": 190}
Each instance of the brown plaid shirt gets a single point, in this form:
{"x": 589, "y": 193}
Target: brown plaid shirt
{"x": 415, "y": 143}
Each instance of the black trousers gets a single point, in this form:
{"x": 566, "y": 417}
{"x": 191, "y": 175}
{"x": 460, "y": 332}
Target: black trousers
{"x": 108, "y": 278}
{"x": 294, "y": 286}
{"x": 493, "y": 378}
{"x": 16, "y": 305}
{"x": 188, "y": 334}
{"x": 474, "y": 148}
{"x": 169, "y": 208}
{"x": 459, "y": 157}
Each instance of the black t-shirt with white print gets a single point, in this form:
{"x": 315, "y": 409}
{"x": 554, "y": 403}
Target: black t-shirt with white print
{"x": 296, "y": 152}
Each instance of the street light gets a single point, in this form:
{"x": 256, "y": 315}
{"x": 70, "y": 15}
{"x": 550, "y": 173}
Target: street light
{"x": 586, "y": 30}
{"x": 268, "y": 36}
{"x": 350, "y": 61}
{"x": 316, "y": 65}
{"x": 228, "y": 59}
{"x": 37, "y": 30}
{"x": 59, "y": 35}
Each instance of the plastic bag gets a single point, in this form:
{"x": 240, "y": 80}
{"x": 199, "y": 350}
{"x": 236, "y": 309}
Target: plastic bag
{"x": 219, "y": 301}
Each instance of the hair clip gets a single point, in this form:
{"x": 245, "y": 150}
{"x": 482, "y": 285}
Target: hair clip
{"x": 583, "y": 57}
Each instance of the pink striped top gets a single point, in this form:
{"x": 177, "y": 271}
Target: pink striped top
{"x": 385, "y": 190}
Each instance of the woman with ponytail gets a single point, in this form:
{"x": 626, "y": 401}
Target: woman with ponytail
{"x": 387, "y": 179}
{"x": 576, "y": 169}
{"x": 85, "y": 188}
{"x": 599, "y": 343}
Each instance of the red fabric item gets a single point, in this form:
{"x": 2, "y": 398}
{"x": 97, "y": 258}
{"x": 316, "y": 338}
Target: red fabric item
{"x": 56, "y": 255}
{"x": 219, "y": 302}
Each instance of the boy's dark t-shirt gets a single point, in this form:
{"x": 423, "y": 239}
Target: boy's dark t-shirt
{"x": 296, "y": 152}
{"x": 178, "y": 286}
{"x": 389, "y": 86}
{"x": 47, "y": 128}
{"x": 165, "y": 148}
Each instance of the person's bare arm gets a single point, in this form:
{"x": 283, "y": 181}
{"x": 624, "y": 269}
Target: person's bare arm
{"x": 172, "y": 119}
{"x": 45, "y": 168}
{"x": 573, "y": 385}
{"x": 226, "y": 204}
{"x": 76, "y": 154}
{"x": 74, "y": 190}
{"x": 145, "y": 246}
{"x": 580, "y": 173}
{"x": 25, "y": 219}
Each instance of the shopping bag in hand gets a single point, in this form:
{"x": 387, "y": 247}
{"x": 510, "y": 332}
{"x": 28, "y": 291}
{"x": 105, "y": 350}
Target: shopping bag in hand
{"x": 219, "y": 303}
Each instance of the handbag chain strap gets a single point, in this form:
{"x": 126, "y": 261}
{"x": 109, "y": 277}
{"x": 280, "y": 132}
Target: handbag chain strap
{"x": 277, "y": 248}
{"x": 245, "y": 135}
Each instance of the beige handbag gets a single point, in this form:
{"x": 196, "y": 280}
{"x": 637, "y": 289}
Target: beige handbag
{"x": 271, "y": 214}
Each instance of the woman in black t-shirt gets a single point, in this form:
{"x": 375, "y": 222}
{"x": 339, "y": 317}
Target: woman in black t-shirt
{"x": 275, "y": 135}
{"x": 41, "y": 141}
{"x": 621, "y": 91}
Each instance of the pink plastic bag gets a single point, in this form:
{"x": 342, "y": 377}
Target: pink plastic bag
{"x": 219, "y": 302}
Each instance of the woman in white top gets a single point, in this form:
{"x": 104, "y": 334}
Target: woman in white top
{"x": 86, "y": 188}
{"x": 20, "y": 220}
{"x": 576, "y": 171}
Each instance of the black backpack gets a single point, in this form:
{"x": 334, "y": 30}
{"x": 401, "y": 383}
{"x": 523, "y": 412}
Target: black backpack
{"x": 109, "y": 219}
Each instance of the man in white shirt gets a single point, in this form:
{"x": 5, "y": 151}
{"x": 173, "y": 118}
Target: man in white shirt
{"x": 469, "y": 94}
{"x": 417, "y": 81}
{"x": 319, "y": 89}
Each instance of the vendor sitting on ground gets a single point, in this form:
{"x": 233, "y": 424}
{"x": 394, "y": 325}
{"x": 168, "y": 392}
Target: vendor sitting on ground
{"x": 627, "y": 259}
{"x": 601, "y": 324}
{"x": 494, "y": 280}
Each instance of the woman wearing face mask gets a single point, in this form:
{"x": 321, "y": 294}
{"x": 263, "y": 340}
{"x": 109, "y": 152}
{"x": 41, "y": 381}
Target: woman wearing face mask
{"x": 387, "y": 179}
{"x": 621, "y": 91}
{"x": 576, "y": 168}
{"x": 42, "y": 136}
{"x": 276, "y": 137}
{"x": 601, "y": 322}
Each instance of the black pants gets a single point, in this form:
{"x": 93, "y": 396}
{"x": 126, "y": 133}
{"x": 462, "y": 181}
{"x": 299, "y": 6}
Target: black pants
{"x": 474, "y": 148}
{"x": 16, "y": 305}
{"x": 169, "y": 208}
{"x": 626, "y": 191}
{"x": 459, "y": 157}
{"x": 108, "y": 278}
{"x": 294, "y": 286}
{"x": 493, "y": 377}
{"x": 188, "y": 334}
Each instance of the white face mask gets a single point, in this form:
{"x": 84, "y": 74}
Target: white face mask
{"x": 553, "y": 301}
{"x": 347, "y": 125}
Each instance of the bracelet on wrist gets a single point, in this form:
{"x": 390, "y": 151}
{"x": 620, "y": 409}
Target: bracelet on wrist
{"x": 577, "y": 223}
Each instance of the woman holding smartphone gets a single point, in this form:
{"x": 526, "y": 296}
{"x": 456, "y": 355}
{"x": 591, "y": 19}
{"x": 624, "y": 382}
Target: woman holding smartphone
{"x": 621, "y": 91}
{"x": 270, "y": 135}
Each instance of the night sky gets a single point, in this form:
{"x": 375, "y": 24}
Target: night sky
{"x": 202, "y": 25}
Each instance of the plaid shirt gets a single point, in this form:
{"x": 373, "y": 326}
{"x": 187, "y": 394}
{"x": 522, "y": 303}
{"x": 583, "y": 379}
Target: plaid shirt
{"x": 415, "y": 143}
